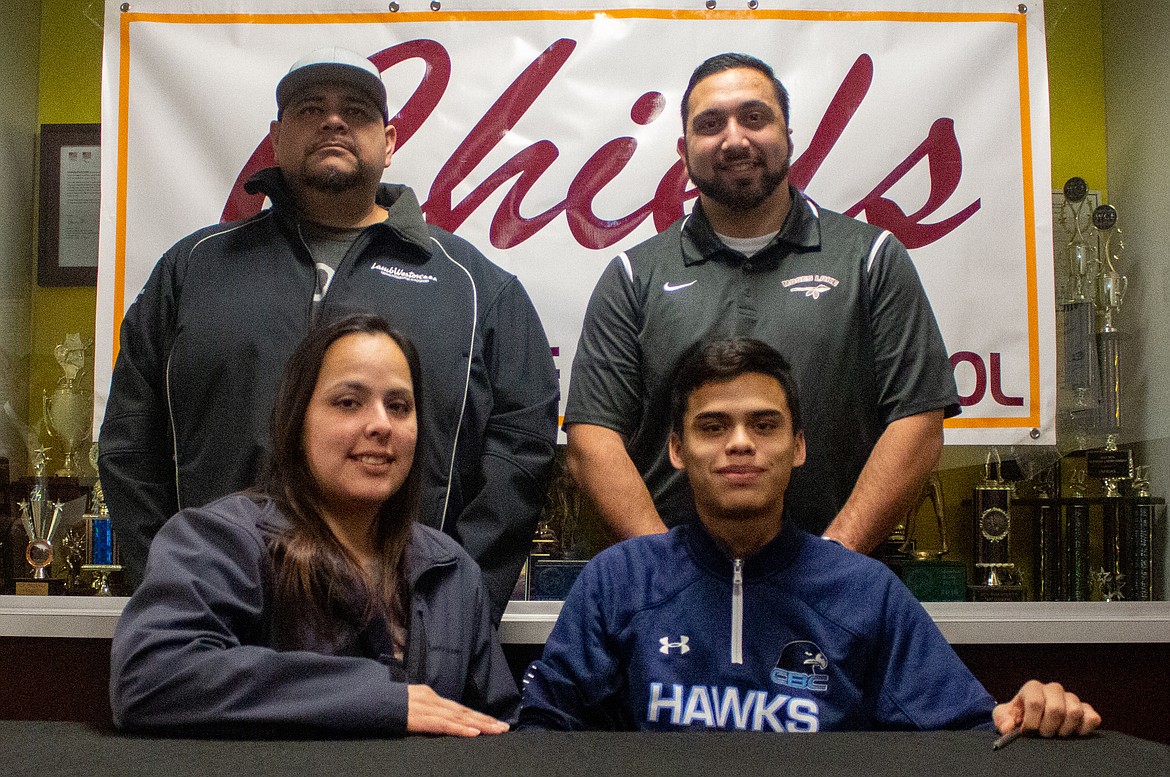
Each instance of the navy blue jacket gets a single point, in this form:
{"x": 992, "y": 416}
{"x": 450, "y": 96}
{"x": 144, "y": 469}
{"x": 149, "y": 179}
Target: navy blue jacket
{"x": 195, "y": 646}
{"x": 665, "y": 632}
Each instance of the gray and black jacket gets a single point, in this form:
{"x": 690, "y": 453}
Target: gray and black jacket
{"x": 203, "y": 347}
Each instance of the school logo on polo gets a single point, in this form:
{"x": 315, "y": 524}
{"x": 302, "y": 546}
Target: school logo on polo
{"x": 802, "y": 665}
{"x": 810, "y": 285}
{"x": 397, "y": 273}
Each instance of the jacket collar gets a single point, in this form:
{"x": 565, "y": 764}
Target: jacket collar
{"x": 801, "y": 231}
{"x": 404, "y": 219}
{"x": 425, "y": 553}
{"x": 712, "y": 557}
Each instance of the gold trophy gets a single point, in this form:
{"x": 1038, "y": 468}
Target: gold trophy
{"x": 926, "y": 573}
{"x": 42, "y": 520}
{"x": 101, "y": 557}
{"x": 69, "y": 408}
{"x": 996, "y": 577}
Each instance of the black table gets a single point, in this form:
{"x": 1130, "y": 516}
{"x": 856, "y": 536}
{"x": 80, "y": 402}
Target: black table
{"x": 74, "y": 748}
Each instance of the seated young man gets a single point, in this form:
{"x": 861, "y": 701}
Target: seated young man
{"x": 743, "y": 621}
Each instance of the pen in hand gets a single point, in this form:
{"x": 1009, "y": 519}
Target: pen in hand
{"x": 1007, "y": 738}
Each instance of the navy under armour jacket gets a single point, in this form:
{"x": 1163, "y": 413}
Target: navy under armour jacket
{"x": 665, "y": 632}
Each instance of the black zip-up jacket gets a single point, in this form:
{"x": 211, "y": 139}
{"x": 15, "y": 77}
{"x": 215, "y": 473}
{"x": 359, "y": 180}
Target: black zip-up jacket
{"x": 203, "y": 347}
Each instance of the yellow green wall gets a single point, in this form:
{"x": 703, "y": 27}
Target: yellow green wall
{"x": 70, "y": 93}
{"x": 1076, "y": 85}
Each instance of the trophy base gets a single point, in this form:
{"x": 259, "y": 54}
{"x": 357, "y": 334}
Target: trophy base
{"x": 934, "y": 581}
{"x": 26, "y": 586}
{"x": 996, "y": 593}
{"x": 1108, "y": 464}
{"x": 551, "y": 579}
{"x": 104, "y": 579}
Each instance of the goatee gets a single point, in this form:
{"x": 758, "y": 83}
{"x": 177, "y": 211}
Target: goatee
{"x": 331, "y": 180}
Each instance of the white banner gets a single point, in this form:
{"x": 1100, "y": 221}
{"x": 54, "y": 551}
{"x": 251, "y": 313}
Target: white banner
{"x": 545, "y": 133}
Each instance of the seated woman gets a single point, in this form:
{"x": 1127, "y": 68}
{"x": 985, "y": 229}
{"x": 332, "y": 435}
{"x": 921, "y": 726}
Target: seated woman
{"x": 317, "y": 602}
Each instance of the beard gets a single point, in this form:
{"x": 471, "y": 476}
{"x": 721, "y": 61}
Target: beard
{"x": 742, "y": 196}
{"x": 330, "y": 179}
{"x": 334, "y": 174}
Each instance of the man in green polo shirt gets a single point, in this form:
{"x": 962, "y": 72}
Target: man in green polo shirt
{"x": 838, "y": 297}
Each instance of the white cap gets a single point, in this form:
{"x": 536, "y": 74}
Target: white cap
{"x": 337, "y": 65}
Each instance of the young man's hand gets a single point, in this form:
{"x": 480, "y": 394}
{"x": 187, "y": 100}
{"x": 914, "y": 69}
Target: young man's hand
{"x": 1046, "y": 709}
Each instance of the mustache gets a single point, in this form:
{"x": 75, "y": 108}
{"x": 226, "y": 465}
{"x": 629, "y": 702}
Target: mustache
{"x": 734, "y": 155}
{"x": 333, "y": 142}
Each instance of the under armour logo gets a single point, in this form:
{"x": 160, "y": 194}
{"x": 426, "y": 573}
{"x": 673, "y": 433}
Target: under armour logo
{"x": 668, "y": 286}
{"x": 681, "y": 645}
{"x": 812, "y": 291}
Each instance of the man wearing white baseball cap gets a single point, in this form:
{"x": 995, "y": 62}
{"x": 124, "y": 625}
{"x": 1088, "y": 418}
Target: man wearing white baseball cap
{"x": 337, "y": 65}
{"x": 203, "y": 346}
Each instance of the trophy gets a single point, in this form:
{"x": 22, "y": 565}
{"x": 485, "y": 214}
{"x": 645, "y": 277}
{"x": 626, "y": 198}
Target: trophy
{"x": 1111, "y": 292}
{"x": 101, "y": 557}
{"x": 996, "y": 577}
{"x": 1047, "y": 543}
{"x": 1076, "y": 543}
{"x": 1078, "y": 323}
{"x": 925, "y": 572}
{"x": 1111, "y": 464}
{"x": 72, "y": 554}
{"x": 1080, "y": 252}
{"x": 1142, "y": 532}
{"x": 1116, "y": 545}
{"x": 895, "y": 548}
{"x": 551, "y": 572}
{"x": 41, "y": 519}
{"x": 550, "y": 575}
{"x": 69, "y": 409}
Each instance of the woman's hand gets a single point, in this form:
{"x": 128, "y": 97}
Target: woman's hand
{"x": 1046, "y": 709}
{"x": 429, "y": 713}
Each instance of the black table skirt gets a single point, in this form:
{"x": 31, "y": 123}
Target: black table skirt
{"x": 28, "y": 748}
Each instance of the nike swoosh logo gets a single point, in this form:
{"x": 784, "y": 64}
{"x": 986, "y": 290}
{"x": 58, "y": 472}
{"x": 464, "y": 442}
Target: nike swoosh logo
{"x": 675, "y": 287}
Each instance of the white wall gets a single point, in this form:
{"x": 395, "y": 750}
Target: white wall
{"x": 1137, "y": 109}
{"x": 19, "y": 52}
{"x": 1137, "y": 121}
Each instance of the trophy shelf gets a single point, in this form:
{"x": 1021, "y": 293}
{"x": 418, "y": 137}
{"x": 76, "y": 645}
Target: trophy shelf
{"x": 529, "y": 623}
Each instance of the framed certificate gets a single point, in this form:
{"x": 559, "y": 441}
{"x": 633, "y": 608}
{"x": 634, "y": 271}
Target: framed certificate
{"x": 70, "y": 198}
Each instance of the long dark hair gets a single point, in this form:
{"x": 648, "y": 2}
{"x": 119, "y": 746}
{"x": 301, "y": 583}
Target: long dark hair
{"x": 314, "y": 575}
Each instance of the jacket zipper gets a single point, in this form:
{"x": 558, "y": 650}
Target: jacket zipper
{"x": 737, "y": 613}
{"x": 314, "y": 310}
{"x": 350, "y": 258}
{"x": 417, "y": 644}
